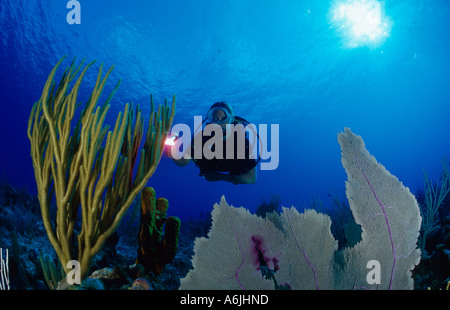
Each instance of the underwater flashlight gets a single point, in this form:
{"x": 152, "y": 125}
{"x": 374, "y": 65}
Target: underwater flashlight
{"x": 170, "y": 141}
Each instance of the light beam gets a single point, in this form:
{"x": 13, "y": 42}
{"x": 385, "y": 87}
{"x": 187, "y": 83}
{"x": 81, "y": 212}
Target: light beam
{"x": 361, "y": 22}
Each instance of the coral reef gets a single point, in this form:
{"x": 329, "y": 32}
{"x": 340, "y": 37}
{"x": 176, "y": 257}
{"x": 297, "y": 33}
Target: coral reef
{"x": 32, "y": 259}
{"x": 88, "y": 166}
{"x": 433, "y": 272}
{"x": 114, "y": 266}
{"x": 158, "y": 234}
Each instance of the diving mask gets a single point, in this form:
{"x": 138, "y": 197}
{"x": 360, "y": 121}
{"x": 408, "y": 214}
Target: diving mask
{"x": 220, "y": 115}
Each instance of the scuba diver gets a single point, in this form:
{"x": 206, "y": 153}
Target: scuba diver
{"x": 239, "y": 169}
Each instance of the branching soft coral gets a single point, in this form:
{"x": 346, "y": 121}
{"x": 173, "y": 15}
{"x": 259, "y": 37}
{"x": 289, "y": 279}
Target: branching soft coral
{"x": 89, "y": 166}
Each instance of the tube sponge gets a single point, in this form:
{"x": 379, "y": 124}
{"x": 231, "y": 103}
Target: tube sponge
{"x": 295, "y": 250}
{"x": 158, "y": 234}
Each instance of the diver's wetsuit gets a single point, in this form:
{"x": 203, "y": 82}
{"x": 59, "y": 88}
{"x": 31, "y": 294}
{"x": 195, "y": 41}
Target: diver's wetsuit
{"x": 234, "y": 166}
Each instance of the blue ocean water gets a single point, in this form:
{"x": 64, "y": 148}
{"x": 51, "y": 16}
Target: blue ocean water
{"x": 275, "y": 62}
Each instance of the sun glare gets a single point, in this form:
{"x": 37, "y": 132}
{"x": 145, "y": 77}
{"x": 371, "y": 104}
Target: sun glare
{"x": 361, "y": 22}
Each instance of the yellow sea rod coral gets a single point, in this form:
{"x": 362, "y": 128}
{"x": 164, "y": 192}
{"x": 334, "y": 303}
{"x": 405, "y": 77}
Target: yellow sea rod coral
{"x": 87, "y": 167}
